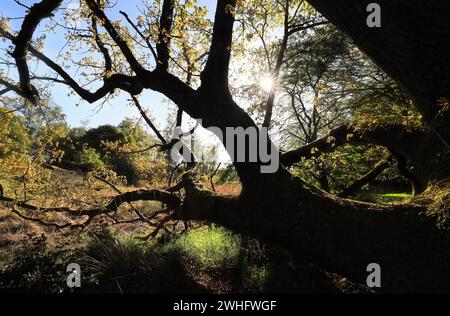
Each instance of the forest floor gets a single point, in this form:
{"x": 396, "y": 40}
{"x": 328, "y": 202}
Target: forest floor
{"x": 115, "y": 259}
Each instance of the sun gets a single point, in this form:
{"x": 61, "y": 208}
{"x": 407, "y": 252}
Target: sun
{"x": 267, "y": 83}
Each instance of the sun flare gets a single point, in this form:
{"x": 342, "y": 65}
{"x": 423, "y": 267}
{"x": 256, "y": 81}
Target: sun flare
{"x": 267, "y": 83}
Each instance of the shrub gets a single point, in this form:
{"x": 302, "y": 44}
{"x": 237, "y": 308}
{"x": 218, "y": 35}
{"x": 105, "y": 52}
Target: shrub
{"x": 88, "y": 159}
{"x": 37, "y": 269}
{"x": 126, "y": 265}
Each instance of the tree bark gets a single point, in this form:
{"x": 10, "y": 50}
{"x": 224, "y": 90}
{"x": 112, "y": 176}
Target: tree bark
{"x": 341, "y": 235}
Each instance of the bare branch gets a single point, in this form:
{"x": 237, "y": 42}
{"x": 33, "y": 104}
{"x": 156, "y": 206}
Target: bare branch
{"x": 140, "y": 151}
{"x": 277, "y": 69}
{"x": 147, "y": 120}
{"x": 160, "y": 226}
{"x": 102, "y": 48}
{"x": 303, "y": 27}
{"x": 12, "y": 87}
{"x": 117, "y": 38}
{"x": 212, "y": 176}
{"x": 161, "y": 81}
{"x": 40, "y": 221}
{"x": 170, "y": 199}
{"x": 22, "y": 5}
{"x": 336, "y": 137}
{"x": 367, "y": 178}
{"x": 115, "y": 81}
{"x": 145, "y": 38}
{"x": 36, "y": 14}
{"x": 4, "y": 91}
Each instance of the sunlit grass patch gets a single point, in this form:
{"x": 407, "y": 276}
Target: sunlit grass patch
{"x": 210, "y": 247}
{"x": 391, "y": 197}
{"x": 397, "y": 195}
{"x": 383, "y": 197}
{"x": 214, "y": 247}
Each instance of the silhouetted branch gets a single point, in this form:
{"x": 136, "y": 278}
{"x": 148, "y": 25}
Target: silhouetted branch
{"x": 145, "y": 38}
{"x": 170, "y": 199}
{"x": 367, "y": 178}
{"x": 148, "y": 121}
{"x": 165, "y": 27}
{"x": 36, "y": 14}
{"x": 216, "y": 69}
{"x": 212, "y": 176}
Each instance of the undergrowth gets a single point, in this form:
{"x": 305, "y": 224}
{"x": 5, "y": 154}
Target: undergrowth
{"x": 172, "y": 263}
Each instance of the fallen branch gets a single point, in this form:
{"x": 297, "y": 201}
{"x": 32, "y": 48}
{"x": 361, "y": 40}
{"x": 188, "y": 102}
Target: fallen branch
{"x": 170, "y": 199}
{"x": 367, "y": 178}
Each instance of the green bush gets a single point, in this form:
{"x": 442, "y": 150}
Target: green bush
{"x": 88, "y": 159}
{"x": 37, "y": 269}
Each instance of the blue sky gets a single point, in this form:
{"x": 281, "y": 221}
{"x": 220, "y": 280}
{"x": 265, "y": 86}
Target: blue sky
{"x": 76, "y": 111}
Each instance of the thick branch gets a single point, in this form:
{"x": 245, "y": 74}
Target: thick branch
{"x": 165, "y": 27}
{"x": 341, "y": 235}
{"x": 161, "y": 81}
{"x": 115, "y": 81}
{"x": 367, "y": 178}
{"x": 408, "y": 147}
{"x": 216, "y": 69}
{"x": 170, "y": 199}
{"x": 36, "y": 14}
{"x": 336, "y": 137}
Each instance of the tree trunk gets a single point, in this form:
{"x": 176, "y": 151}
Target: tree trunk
{"x": 341, "y": 235}
{"x": 410, "y": 242}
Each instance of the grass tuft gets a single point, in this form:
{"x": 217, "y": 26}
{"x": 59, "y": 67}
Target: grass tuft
{"x": 209, "y": 247}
